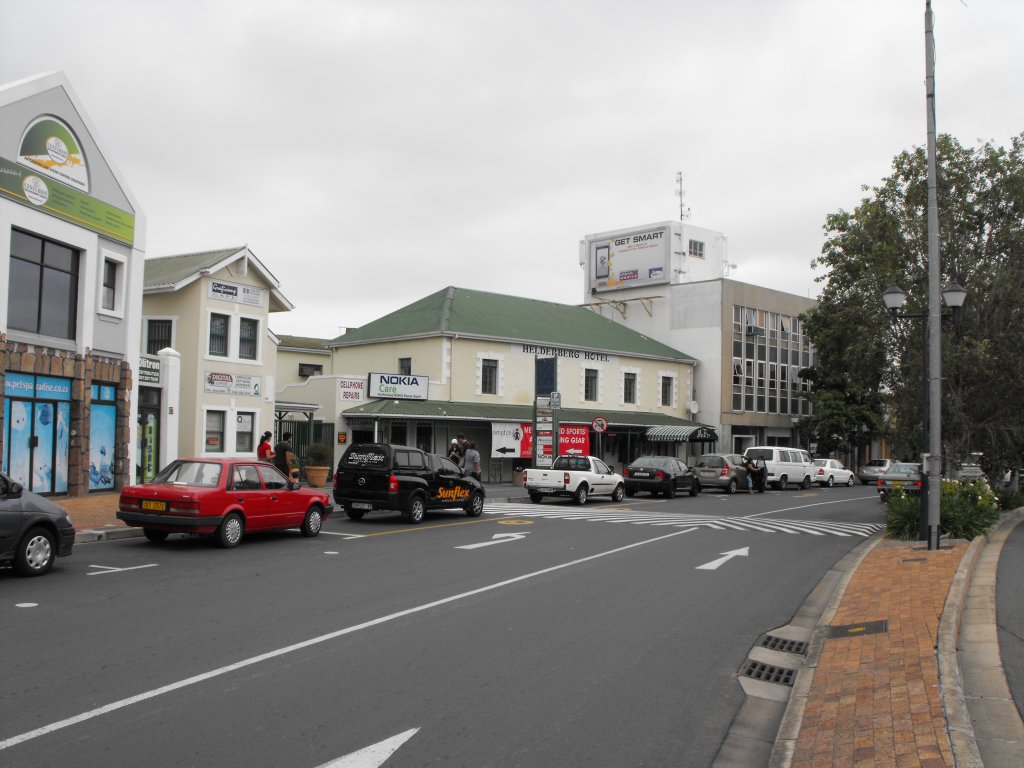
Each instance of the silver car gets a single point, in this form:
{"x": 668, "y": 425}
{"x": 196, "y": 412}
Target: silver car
{"x": 868, "y": 473}
{"x": 721, "y": 470}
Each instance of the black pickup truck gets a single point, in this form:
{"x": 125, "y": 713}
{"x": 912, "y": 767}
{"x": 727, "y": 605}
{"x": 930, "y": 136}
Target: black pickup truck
{"x": 374, "y": 476}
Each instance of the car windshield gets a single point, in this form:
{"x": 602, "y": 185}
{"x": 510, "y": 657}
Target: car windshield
{"x": 906, "y": 469}
{"x": 878, "y": 462}
{"x": 651, "y": 461}
{"x": 201, "y": 474}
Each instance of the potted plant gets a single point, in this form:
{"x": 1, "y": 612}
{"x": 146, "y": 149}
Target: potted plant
{"x": 318, "y": 464}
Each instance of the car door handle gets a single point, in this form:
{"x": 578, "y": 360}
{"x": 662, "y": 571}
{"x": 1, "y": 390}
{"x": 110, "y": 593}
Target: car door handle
{"x": 240, "y": 498}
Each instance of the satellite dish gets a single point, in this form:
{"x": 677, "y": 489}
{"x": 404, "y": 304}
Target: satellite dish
{"x": 693, "y": 406}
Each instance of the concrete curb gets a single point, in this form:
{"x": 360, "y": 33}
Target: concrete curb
{"x": 951, "y": 689}
{"x": 789, "y": 729}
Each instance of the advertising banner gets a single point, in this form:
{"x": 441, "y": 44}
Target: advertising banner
{"x": 232, "y": 384}
{"x": 630, "y": 259}
{"x": 238, "y": 294}
{"x": 351, "y": 390}
{"x": 396, "y": 386}
{"x": 515, "y": 441}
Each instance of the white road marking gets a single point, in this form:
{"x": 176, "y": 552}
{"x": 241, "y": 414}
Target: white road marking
{"x": 26, "y": 605}
{"x": 110, "y": 569}
{"x": 343, "y": 535}
{"x": 726, "y": 557}
{"x": 374, "y": 755}
{"x": 269, "y": 655}
{"x": 498, "y": 538}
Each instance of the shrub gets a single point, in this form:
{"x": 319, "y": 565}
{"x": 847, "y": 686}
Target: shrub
{"x": 318, "y": 455}
{"x": 1010, "y": 499}
{"x": 968, "y": 508}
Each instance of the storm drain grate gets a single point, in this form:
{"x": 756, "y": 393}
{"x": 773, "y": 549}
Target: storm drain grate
{"x": 781, "y": 644}
{"x": 768, "y": 673}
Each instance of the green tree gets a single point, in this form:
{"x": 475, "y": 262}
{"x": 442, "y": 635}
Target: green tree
{"x": 867, "y": 376}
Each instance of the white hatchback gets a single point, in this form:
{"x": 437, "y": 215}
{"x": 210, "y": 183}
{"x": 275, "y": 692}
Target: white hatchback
{"x": 829, "y": 472}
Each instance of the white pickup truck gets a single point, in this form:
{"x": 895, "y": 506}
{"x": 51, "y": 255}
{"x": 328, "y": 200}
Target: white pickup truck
{"x": 578, "y": 476}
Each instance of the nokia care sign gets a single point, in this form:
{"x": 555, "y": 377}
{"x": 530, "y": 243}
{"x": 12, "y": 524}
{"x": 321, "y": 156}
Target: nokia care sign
{"x": 398, "y": 386}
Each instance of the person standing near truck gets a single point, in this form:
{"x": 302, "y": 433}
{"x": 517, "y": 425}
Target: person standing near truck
{"x": 472, "y": 461}
{"x": 283, "y": 457}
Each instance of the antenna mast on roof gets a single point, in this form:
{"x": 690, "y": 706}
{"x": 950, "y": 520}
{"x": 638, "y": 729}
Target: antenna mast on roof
{"x": 684, "y": 212}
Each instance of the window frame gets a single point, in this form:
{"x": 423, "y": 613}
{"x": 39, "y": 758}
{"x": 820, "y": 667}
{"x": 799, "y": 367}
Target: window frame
{"x": 42, "y": 268}
{"x": 405, "y": 366}
{"x": 120, "y": 265}
{"x": 488, "y": 365}
{"x": 243, "y": 322}
{"x": 629, "y": 387}
{"x": 591, "y": 376}
{"x": 207, "y": 412}
{"x": 226, "y": 335}
{"x": 148, "y": 338}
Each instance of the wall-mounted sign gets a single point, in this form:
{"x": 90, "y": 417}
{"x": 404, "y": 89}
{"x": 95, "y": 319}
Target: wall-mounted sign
{"x": 515, "y": 441}
{"x": 629, "y": 259}
{"x": 351, "y": 390}
{"x": 218, "y": 383}
{"x": 50, "y": 148}
{"x": 397, "y": 386}
{"x": 543, "y": 350}
{"x": 149, "y": 371}
{"x": 239, "y": 294}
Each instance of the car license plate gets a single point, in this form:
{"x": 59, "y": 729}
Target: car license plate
{"x": 641, "y": 474}
{"x": 361, "y": 505}
{"x": 897, "y": 482}
{"x": 155, "y": 506}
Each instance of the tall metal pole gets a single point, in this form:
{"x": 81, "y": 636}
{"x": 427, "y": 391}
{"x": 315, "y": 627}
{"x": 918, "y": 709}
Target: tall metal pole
{"x": 934, "y": 308}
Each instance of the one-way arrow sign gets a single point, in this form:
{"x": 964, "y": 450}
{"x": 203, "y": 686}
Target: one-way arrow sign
{"x": 498, "y": 538}
{"x": 726, "y": 557}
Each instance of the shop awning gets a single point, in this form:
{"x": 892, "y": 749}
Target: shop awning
{"x": 678, "y": 434}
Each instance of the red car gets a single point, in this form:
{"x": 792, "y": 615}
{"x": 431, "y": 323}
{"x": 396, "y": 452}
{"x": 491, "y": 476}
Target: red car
{"x": 223, "y": 498}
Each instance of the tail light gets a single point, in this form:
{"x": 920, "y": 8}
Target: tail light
{"x": 821, "y": 471}
{"x": 392, "y": 484}
{"x": 565, "y": 478}
{"x": 128, "y": 504}
{"x": 625, "y": 471}
{"x": 659, "y": 475}
{"x": 183, "y": 508}
{"x": 918, "y": 483}
{"x": 725, "y": 471}
{"x": 879, "y": 482}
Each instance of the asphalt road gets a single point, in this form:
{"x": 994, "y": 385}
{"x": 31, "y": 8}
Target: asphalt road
{"x": 536, "y": 635}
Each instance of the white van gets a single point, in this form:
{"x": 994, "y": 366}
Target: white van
{"x": 783, "y": 465}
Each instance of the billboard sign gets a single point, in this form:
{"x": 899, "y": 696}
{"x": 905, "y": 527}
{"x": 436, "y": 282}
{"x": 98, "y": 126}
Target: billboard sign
{"x": 515, "y": 441}
{"x": 397, "y": 386}
{"x": 630, "y": 259}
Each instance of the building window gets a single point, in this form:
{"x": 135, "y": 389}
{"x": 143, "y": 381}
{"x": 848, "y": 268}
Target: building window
{"x": 696, "y": 249}
{"x": 629, "y": 387}
{"x": 405, "y": 366}
{"x": 158, "y": 335}
{"x": 667, "y": 383}
{"x": 248, "y": 338}
{"x": 310, "y": 369}
{"x": 244, "y": 431}
{"x": 219, "y": 335}
{"x": 590, "y": 384}
{"x": 109, "y": 284}
{"x": 42, "y": 294}
{"x": 214, "y": 432}
{"x": 489, "y": 377}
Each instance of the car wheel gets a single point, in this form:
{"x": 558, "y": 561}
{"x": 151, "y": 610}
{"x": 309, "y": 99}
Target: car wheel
{"x": 849, "y": 482}
{"x": 830, "y": 482}
{"x": 631, "y": 492}
{"x": 536, "y": 498}
{"x": 230, "y": 531}
{"x": 806, "y": 482}
{"x": 670, "y": 489}
{"x": 35, "y": 552}
{"x": 618, "y": 493}
{"x": 414, "y": 514}
{"x": 475, "y": 507}
{"x": 783, "y": 483}
{"x": 695, "y": 488}
{"x": 313, "y": 522}
{"x": 582, "y": 494}
{"x": 731, "y": 487}
{"x": 354, "y": 514}
{"x": 154, "y": 535}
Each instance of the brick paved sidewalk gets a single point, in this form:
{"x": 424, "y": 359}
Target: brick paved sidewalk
{"x": 875, "y": 699}
{"x": 97, "y": 510}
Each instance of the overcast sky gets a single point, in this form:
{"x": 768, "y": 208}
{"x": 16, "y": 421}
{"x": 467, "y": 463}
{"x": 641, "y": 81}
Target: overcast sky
{"x": 373, "y": 152}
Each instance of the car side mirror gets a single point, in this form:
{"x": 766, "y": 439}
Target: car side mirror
{"x": 292, "y": 485}
{"x": 14, "y": 492}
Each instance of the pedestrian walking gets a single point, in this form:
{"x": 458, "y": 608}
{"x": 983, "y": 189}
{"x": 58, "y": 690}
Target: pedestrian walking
{"x": 265, "y": 451}
{"x": 283, "y": 457}
{"x": 472, "y": 461}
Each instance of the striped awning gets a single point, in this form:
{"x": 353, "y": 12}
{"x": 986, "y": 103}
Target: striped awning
{"x": 689, "y": 434}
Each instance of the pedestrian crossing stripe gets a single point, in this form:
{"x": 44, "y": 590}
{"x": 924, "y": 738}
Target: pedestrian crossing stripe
{"x": 684, "y": 520}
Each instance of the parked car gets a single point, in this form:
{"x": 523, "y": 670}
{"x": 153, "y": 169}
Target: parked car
{"x": 222, "y": 498}
{"x": 659, "y": 474}
{"x": 783, "y": 466}
{"x": 375, "y": 476}
{"x": 577, "y": 476}
{"x": 721, "y": 470}
{"x": 868, "y": 473}
{"x": 34, "y": 531}
{"x": 830, "y": 472}
{"x": 901, "y": 476}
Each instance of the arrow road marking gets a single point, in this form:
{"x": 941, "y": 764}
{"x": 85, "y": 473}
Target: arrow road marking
{"x": 726, "y": 557}
{"x": 498, "y": 538}
{"x": 374, "y": 755}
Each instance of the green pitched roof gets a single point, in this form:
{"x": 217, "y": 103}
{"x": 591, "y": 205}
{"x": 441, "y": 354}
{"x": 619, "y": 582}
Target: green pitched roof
{"x": 171, "y": 270}
{"x": 463, "y": 312}
{"x": 302, "y": 342}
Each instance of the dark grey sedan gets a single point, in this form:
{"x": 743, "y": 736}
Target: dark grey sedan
{"x": 659, "y": 474}
{"x": 900, "y": 476}
{"x": 33, "y": 530}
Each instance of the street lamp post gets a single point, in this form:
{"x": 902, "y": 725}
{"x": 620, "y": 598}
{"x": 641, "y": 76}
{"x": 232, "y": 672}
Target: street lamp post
{"x": 954, "y": 296}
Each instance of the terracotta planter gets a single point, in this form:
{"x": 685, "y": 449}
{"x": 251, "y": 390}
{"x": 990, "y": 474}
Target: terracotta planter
{"x": 317, "y": 476}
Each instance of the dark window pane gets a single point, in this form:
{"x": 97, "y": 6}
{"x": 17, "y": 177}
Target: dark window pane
{"x": 489, "y": 377}
{"x": 60, "y": 257}
{"x": 25, "y": 246}
{"x": 109, "y": 283}
{"x": 405, "y": 366}
{"x": 219, "y": 335}
{"x": 59, "y": 304}
{"x": 247, "y": 332}
{"x": 158, "y": 336}
{"x": 23, "y": 296}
